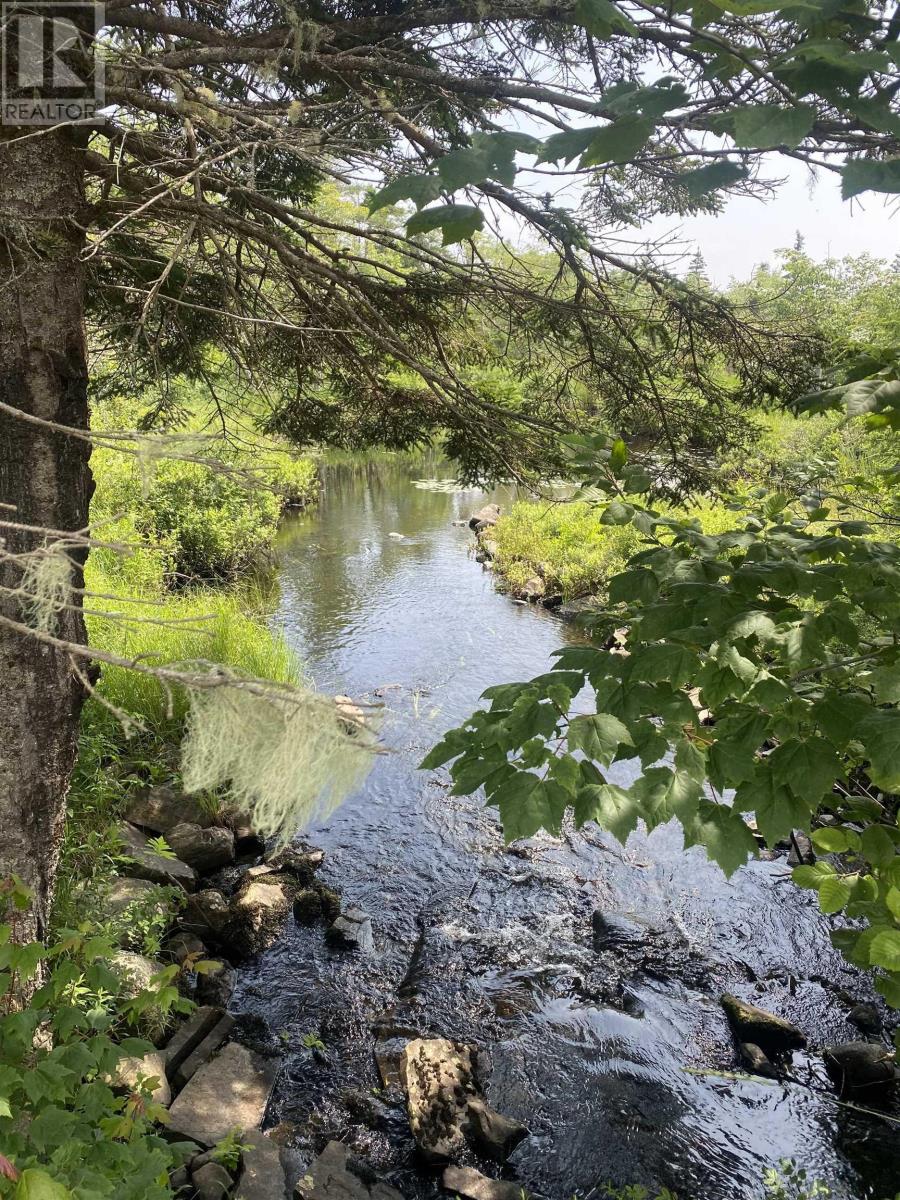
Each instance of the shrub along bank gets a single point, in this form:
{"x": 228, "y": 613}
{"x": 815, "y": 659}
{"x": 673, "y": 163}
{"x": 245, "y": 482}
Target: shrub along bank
{"x": 564, "y": 550}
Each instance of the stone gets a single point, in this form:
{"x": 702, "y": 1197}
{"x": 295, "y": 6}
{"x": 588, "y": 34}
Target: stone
{"x": 352, "y": 930}
{"x": 438, "y": 1077}
{"x": 202, "y": 1052}
{"x": 466, "y": 1181}
{"x": 180, "y": 1180}
{"x": 332, "y": 1177}
{"x": 298, "y": 861}
{"x": 205, "y": 913}
{"x": 307, "y": 906}
{"x": 247, "y": 842}
{"x": 801, "y": 852}
{"x": 189, "y": 1035}
{"x": 751, "y": 1024}
{"x": 485, "y": 517}
{"x": 331, "y": 902}
{"x": 492, "y": 1133}
{"x": 211, "y": 1181}
{"x": 533, "y": 588}
{"x": 258, "y": 911}
{"x": 262, "y": 1176}
{"x": 366, "y": 1109}
{"x": 131, "y": 1070}
{"x": 861, "y": 1068}
{"x": 229, "y": 1092}
{"x": 145, "y": 863}
{"x": 573, "y": 610}
{"x": 182, "y": 945}
{"x": 124, "y": 892}
{"x": 866, "y": 1018}
{"x": 756, "y": 1061}
{"x": 206, "y": 850}
{"x": 388, "y": 1054}
{"x": 446, "y": 1113}
{"x": 161, "y": 808}
{"x": 216, "y": 986}
{"x": 613, "y": 932}
{"x": 135, "y": 970}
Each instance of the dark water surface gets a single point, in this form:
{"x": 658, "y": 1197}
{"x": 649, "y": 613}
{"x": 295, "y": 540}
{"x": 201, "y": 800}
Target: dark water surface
{"x": 619, "y": 1061}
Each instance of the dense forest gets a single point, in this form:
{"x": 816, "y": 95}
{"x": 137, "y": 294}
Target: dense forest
{"x": 450, "y": 725}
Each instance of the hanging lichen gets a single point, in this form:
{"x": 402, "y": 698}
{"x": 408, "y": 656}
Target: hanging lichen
{"x": 47, "y": 587}
{"x": 286, "y": 761}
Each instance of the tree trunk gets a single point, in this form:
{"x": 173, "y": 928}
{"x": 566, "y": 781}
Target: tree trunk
{"x": 45, "y": 481}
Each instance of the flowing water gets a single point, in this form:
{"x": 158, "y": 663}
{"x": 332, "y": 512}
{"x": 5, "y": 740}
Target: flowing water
{"x": 618, "y": 1057}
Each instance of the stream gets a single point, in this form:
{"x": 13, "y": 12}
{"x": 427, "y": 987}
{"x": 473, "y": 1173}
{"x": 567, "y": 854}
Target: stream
{"x": 618, "y": 1059}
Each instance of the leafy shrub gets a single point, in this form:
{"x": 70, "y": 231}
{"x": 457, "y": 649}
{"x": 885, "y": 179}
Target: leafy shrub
{"x": 210, "y": 519}
{"x": 218, "y": 524}
{"x": 66, "y": 1132}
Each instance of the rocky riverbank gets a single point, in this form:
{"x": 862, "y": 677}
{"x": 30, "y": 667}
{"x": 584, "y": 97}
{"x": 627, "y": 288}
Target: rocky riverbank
{"x": 216, "y": 1070}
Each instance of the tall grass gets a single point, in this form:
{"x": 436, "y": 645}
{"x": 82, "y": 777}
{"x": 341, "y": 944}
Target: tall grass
{"x": 566, "y": 545}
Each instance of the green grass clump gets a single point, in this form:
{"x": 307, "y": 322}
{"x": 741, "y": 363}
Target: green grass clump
{"x": 568, "y": 547}
{"x": 564, "y": 544}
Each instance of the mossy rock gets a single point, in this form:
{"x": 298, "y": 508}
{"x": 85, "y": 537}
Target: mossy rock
{"x": 751, "y": 1024}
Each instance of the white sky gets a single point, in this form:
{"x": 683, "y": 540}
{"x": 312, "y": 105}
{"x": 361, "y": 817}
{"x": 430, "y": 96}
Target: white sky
{"x": 749, "y": 231}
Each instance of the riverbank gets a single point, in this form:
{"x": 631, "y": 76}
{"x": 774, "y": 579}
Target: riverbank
{"x": 557, "y": 552}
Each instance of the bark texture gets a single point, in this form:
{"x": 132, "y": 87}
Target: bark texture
{"x": 45, "y": 481}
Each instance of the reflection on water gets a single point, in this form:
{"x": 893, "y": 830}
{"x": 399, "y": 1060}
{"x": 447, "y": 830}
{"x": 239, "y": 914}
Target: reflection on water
{"x": 619, "y": 1062}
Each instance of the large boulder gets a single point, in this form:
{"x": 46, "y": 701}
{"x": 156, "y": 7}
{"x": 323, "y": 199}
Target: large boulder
{"x": 334, "y": 1176}
{"x": 126, "y": 900}
{"x": 190, "y": 1034}
{"x": 466, "y": 1181}
{"x": 161, "y": 808}
{"x": 258, "y": 912}
{"x": 132, "y": 1073}
{"x": 206, "y": 850}
{"x": 772, "y": 1034}
{"x": 229, "y": 1092}
{"x": 143, "y": 862}
{"x": 206, "y": 914}
{"x": 211, "y": 1181}
{"x": 439, "y": 1080}
{"x": 861, "y": 1068}
{"x": 485, "y": 517}
{"x": 134, "y": 970}
{"x": 446, "y": 1112}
